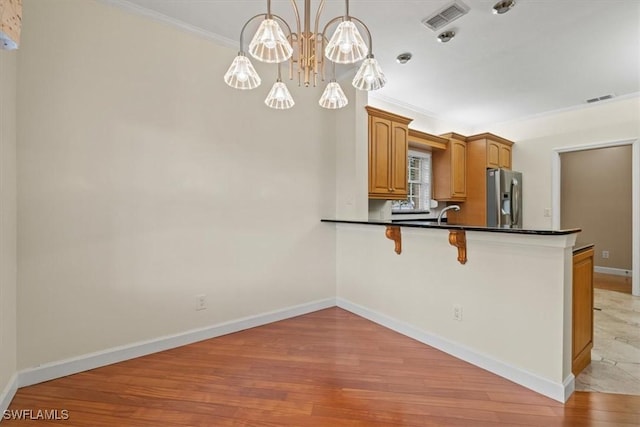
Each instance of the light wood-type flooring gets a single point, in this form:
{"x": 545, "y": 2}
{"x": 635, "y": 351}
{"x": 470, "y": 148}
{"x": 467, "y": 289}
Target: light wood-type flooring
{"x": 615, "y": 358}
{"x": 328, "y": 368}
{"x": 610, "y": 282}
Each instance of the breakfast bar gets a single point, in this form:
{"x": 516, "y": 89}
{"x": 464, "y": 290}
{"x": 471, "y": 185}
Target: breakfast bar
{"x": 515, "y": 284}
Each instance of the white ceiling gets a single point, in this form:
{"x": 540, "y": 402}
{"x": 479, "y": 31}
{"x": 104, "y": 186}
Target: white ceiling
{"x": 543, "y": 55}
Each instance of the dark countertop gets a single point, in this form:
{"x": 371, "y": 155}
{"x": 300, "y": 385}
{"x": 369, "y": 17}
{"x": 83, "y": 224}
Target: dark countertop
{"x": 433, "y": 225}
{"x": 579, "y": 247}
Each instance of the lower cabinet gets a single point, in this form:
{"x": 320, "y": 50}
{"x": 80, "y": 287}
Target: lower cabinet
{"x": 582, "y": 309}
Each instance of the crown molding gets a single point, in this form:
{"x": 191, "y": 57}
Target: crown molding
{"x": 403, "y": 104}
{"x": 159, "y": 17}
{"x": 576, "y": 107}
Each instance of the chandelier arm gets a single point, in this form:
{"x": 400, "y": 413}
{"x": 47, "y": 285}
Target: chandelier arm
{"x": 353, "y": 18}
{"x": 322, "y": 46}
{"x": 318, "y": 58}
{"x": 245, "y": 26}
{"x": 294, "y": 4}
{"x": 337, "y": 18}
{"x": 279, "y": 18}
{"x": 318, "y": 13}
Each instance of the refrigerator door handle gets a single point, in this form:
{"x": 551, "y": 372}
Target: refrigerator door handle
{"x": 498, "y": 209}
{"x": 515, "y": 202}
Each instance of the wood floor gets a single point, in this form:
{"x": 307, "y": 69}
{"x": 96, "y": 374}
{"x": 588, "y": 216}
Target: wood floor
{"x": 612, "y": 283}
{"x": 328, "y": 368}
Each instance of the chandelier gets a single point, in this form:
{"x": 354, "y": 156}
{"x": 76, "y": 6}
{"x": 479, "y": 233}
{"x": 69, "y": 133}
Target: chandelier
{"x": 307, "y": 52}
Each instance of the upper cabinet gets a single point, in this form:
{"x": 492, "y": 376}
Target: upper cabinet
{"x": 426, "y": 141}
{"x": 484, "y": 151}
{"x": 450, "y": 169}
{"x": 388, "y": 150}
{"x": 495, "y": 152}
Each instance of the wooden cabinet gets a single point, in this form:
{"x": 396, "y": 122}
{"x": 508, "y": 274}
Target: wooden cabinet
{"x": 582, "y": 309}
{"x": 425, "y": 141}
{"x": 498, "y": 155}
{"x": 388, "y": 150}
{"x": 450, "y": 170}
{"x": 497, "y": 150}
{"x": 484, "y": 151}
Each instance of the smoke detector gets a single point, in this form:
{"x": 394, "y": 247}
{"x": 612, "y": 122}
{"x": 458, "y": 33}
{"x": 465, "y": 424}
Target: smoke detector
{"x": 446, "y": 15}
{"x": 503, "y": 6}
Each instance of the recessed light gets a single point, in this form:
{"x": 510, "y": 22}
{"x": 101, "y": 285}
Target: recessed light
{"x": 445, "y": 36}
{"x": 403, "y": 58}
{"x": 503, "y": 6}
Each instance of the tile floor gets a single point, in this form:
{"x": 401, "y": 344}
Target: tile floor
{"x": 615, "y": 358}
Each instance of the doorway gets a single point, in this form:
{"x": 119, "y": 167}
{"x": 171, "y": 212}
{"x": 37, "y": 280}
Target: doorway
{"x": 635, "y": 197}
{"x": 596, "y": 188}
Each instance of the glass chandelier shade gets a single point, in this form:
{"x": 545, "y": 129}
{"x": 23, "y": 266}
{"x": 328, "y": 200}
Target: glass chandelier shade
{"x": 241, "y": 74}
{"x": 269, "y": 43}
{"x": 346, "y": 46}
{"x": 369, "y": 76}
{"x": 313, "y": 50}
{"x": 279, "y": 97}
{"x": 333, "y": 97}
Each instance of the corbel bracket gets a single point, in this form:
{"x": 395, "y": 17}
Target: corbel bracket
{"x": 393, "y": 233}
{"x": 458, "y": 238}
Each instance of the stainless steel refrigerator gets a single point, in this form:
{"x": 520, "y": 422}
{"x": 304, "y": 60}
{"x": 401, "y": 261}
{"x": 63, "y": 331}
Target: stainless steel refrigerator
{"x": 504, "y": 198}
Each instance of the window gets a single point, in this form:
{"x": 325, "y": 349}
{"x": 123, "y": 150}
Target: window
{"x": 419, "y": 174}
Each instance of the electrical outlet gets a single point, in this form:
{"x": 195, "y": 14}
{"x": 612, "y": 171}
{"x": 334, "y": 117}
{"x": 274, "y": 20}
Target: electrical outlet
{"x": 605, "y": 254}
{"x": 201, "y": 302}
{"x": 457, "y": 312}
{"x": 547, "y": 212}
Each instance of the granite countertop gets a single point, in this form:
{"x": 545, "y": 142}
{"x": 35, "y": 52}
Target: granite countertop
{"x": 433, "y": 225}
{"x": 579, "y": 247}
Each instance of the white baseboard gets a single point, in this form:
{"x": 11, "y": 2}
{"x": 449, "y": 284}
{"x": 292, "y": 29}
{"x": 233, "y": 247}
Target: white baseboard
{"x": 85, "y": 362}
{"x": 559, "y": 392}
{"x": 7, "y": 394}
{"x": 556, "y": 391}
{"x": 614, "y": 271}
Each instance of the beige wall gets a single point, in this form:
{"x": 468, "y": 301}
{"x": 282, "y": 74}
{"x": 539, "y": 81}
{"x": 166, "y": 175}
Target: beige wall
{"x": 537, "y": 137}
{"x": 144, "y": 180}
{"x": 596, "y": 197}
{"x": 8, "y": 264}
{"x": 515, "y": 318}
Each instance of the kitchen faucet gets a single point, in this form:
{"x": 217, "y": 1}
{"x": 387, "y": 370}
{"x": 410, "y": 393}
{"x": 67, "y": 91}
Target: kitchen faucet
{"x": 448, "y": 208}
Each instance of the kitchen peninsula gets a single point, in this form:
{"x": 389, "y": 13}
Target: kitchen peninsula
{"x": 498, "y": 298}
{"x": 506, "y": 308}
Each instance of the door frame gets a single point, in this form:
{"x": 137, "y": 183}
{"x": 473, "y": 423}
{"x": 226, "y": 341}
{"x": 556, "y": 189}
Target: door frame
{"x": 635, "y": 197}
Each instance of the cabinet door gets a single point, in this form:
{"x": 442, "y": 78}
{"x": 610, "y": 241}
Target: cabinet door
{"x": 493, "y": 154}
{"x": 505, "y": 156}
{"x": 458, "y": 168}
{"x": 399, "y": 153}
{"x": 379, "y": 155}
{"x": 582, "y": 310}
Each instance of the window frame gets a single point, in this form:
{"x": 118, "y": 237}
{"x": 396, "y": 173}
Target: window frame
{"x": 425, "y": 209}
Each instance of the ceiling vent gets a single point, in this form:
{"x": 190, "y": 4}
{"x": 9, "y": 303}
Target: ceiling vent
{"x": 446, "y": 15}
{"x": 599, "y": 98}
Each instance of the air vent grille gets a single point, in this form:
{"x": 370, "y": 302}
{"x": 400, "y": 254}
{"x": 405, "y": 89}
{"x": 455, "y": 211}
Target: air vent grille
{"x": 446, "y": 15}
{"x": 599, "y": 98}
